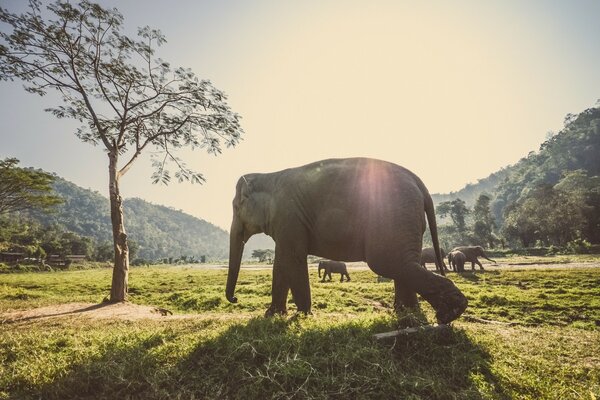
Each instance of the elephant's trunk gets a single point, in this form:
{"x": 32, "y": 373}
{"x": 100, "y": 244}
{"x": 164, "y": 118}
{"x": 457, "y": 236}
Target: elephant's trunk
{"x": 236, "y": 249}
{"x": 320, "y": 270}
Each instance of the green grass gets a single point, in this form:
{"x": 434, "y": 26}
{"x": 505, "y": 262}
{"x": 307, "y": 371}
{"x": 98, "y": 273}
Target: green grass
{"x": 229, "y": 351}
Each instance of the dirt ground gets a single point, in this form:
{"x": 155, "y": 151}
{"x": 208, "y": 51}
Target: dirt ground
{"x": 125, "y": 311}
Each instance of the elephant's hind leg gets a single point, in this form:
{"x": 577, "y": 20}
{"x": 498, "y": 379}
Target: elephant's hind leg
{"x": 405, "y": 296}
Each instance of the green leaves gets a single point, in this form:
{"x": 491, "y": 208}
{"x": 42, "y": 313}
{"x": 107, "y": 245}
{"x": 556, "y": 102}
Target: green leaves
{"x": 125, "y": 97}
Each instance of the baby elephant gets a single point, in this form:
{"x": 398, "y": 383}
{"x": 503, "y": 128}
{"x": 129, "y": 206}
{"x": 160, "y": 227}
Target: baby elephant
{"x": 471, "y": 253}
{"x": 457, "y": 260}
{"x": 333, "y": 266}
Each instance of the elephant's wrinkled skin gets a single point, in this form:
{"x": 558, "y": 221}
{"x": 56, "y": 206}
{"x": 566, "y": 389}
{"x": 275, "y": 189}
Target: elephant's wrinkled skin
{"x": 354, "y": 209}
{"x": 457, "y": 260}
{"x": 428, "y": 256}
{"x": 471, "y": 253}
{"x": 333, "y": 266}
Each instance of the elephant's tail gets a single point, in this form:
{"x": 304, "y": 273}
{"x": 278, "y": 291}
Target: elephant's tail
{"x": 430, "y": 212}
{"x": 319, "y": 271}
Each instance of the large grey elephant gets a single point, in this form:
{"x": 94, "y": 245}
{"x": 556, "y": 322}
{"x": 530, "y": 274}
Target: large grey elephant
{"x": 333, "y": 266}
{"x": 354, "y": 209}
{"x": 471, "y": 253}
{"x": 457, "y": 260}
{"x": 428, "y": 256}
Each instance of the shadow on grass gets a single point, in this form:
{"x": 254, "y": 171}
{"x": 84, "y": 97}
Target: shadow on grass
{"x": 280, "y": 358}
{"x": 469, "y": 276}
{"x": 44, "y": 315}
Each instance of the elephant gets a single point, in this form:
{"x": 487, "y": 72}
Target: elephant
{"x": 471, "y": 253}
{"x": 348, "y": 209}
{"x": 457, "y": 260}
{"x": 333, "y": 266}
{"x": 428, "y": 256}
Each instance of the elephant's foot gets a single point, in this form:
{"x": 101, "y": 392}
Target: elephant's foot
{"x": 301, "y": 314}
{"x": 273, "y": 311}
{"x": 448, "y": 305}
{"x": 447, "y": 300}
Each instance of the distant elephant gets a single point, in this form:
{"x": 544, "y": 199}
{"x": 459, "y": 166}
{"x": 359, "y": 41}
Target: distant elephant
{"x": 333, "y": 266}
{"x": 354, "y": 209}
{"x": 472, "y": 252}
{"x": 456, "y": 260}
{"x": 428, "y": 256}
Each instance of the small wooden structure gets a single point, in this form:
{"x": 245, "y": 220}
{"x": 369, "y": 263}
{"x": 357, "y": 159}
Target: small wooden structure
{"x": 56, "y": 260}
{"x": 11, "y": 257}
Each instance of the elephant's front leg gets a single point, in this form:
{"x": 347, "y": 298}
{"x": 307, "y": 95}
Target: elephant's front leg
{"x": 299, "y": 283}
{"x": 479, "y": 263}
{"x": 293, "y": 268}
{"x": 279, "y": 292}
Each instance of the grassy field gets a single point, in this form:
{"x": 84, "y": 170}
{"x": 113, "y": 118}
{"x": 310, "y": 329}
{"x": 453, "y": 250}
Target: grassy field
{"x": 213, "y": 349}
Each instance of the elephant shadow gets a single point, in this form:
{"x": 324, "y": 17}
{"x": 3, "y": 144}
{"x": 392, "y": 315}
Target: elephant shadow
{"x": 296, "y": 358}
{"x": 303, "y": 357}
{"x": 470, "y": 276}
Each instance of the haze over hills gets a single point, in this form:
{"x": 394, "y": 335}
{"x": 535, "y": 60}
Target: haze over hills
{"x": 163, "y": 232}
{"x": 159, "y": 231}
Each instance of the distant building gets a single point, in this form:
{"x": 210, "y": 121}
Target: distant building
{"x": 11, "y": 257}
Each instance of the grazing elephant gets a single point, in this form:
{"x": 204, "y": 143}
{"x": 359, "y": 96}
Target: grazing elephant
{"x": 428, "y": 256}
{"x": 457, "y": 260}
{"x": 354, "y": 209}
{"x": 333, "y": 266}
{"x": 472, "y": 252}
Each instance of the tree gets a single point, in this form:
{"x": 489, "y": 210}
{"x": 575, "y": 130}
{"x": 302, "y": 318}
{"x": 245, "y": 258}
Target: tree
{"x": 126, "y": 98}
{"x": 483, "y": 221}
{"x": 264, "y": 255}
{"x": 547, "y": 215}
{"x": 24, "y": 189}
{"x": 455, "y": 233}
{"x": 584, "y": 193}
{"x": 457, "y": 210}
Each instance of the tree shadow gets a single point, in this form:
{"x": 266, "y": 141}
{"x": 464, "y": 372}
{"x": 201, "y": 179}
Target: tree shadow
{"x": 44, "y": 315}
{"x": 300, "y": 357}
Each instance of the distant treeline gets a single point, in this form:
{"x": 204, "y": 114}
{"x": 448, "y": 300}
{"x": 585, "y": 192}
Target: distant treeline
{"x": 549, "y": 198}
{"x": 81, "y": 225}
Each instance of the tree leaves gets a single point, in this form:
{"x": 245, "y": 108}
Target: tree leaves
{"x": 125, "y": 97}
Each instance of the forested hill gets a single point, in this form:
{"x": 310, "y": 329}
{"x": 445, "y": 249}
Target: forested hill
{"x": 158, "y": 231}
{"x": 575, "y": 147}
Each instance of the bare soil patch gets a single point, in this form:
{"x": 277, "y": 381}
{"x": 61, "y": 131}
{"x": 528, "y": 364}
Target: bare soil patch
{"x": 123, "y": 311}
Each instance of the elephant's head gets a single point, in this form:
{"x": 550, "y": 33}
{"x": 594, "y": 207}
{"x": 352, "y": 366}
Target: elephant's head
{"x": 250, "y": 213}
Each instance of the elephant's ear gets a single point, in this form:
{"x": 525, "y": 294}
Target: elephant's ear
{"x": 246, "y": 187}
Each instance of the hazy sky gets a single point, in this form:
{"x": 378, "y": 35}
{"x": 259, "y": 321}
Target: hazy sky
{"x": 451, "y": 90}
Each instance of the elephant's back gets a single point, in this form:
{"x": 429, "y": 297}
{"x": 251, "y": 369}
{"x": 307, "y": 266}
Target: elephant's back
{"x": 364, "y": 179}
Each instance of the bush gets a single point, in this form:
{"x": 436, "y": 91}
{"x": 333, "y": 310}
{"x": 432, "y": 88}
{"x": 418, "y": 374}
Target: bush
{"x": 578, "y": 246}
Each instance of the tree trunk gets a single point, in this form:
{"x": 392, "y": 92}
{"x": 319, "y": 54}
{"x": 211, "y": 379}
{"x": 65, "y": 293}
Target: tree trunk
{"x": 118, "y": 291}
